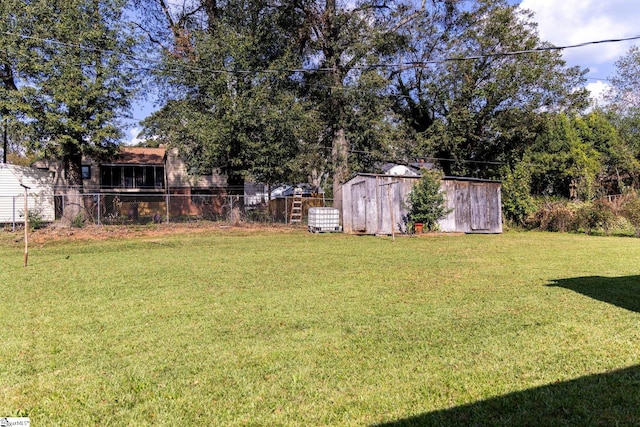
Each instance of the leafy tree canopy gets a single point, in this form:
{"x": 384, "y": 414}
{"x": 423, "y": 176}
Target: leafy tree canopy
{"x": 483, "y": 109}
{"x": 64, "y": 76}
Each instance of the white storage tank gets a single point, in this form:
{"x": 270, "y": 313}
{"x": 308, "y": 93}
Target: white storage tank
{"x": 324, "y": 220}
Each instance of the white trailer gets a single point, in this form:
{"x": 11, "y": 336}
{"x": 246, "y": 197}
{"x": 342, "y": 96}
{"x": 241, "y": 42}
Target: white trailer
{"x": 40, "y": 196}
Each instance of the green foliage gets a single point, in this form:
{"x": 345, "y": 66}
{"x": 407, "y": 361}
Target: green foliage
{"x": 625, "y": 84}
{"x": 67, "y": 79}
{"x": 426, "y": 201}
{"x": 36, "y": 222}
{"x": 248, "y": 124}
{"x": 631, "y": 211}
{"x": 256, "y": 116}
{"x": 78, "y": 221}
{"x": 483, "y": 110}
{"x": 562, "y": 163}
{"x": 517, "y": 203}
{"x": 596, "y": 214}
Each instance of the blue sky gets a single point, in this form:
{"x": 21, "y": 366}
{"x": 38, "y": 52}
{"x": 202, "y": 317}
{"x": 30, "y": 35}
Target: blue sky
{"x": 563, "y": 23}
{"x": 569, "y": 22}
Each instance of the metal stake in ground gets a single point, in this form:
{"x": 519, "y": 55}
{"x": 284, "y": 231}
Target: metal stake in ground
{"x": 26, "y": 223}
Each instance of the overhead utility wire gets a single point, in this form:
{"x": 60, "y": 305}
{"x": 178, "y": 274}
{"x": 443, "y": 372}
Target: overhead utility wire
{"x": 329, "y": 69}
{"x": 439, "y": 159}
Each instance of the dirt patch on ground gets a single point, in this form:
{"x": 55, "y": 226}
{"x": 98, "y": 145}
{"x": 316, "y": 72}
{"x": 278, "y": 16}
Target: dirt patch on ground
{"x": 57, "y": 232}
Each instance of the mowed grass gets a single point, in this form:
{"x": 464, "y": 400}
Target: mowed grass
{"x": 266, "y": 328}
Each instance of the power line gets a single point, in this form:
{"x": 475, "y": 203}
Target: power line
{"x": 411, "y": 64}
{"x": 438, "y": 159}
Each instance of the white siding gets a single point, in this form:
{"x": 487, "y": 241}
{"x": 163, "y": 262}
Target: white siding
{"x": 40, "y": 193}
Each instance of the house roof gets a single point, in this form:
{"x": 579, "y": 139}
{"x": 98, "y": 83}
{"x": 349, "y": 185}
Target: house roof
{"x": 140, "y": 156}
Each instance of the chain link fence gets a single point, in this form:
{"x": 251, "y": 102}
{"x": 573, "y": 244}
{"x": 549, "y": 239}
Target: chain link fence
{"x": 138, "y": 208}
{"x": 40, "y": 207}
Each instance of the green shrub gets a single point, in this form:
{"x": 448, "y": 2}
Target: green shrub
{"x": 36, "y": 221}
{"x": 631, "y": 211}
{"x": 517, "y": 203}
{"x": 426, "y": 201}
{"x": 598, "y": 214}
{"x": 557, "y": 216}
{"x": 78, "y": 221}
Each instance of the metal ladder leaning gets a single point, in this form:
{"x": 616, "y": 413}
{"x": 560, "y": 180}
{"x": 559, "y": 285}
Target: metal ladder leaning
{"x": 296, "y": 208}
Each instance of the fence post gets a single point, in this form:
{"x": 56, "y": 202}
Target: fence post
{"x": 286, "y": 210}
{"x": 13, "y": 228}
{"x": 99, "y": 209}
{"x": 168, "y": 201}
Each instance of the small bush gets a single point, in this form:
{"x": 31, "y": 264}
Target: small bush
{"x": 599, "y": 214}
{"x": 557, "y": 216}
{"x": 631, "y": 211}
{"x": 36, "y": 221}
{"x": 426, "y": 201}
{"x": 78, "y": 221}
{"x": 517, "y": 203}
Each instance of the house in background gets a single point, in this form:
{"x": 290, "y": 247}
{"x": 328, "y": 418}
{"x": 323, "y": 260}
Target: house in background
{"x": 199, "y": 195}
{"x": 39, "y": 194}
{"x": 377, "y": 204}
{"x": 141, "y": 182}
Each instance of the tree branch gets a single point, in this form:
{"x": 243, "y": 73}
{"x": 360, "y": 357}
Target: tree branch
{"x": 411, "y": 17}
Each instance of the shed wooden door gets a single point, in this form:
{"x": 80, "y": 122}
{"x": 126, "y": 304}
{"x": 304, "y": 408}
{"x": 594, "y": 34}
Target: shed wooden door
{"x": 359, "y": 207}
{"x": 479, "y": 207}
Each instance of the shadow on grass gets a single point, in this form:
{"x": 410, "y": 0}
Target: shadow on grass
{"x": 596, "y": 400}
{"x": 621, "y": 291}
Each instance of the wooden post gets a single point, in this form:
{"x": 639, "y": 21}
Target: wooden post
{"x": 388, "y": 185}
{"x": 393, "y": 229}
{"x": 26, "y": 224}
{"x": 5, "y": 143}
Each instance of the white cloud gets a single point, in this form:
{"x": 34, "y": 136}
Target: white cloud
{"x": 569, "y": 22}
{"x": 133, "y": 137}
{"x": 598, "y": 89}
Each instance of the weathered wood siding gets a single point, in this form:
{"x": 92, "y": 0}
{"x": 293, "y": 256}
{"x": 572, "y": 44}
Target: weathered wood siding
{"x": 373, "y": 204}
{"x": 477, "y": 206}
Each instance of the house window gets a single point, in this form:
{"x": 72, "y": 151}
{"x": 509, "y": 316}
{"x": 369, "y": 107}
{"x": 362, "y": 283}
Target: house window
{"x": 132, "y": 176}
{"x": 86, "y": 172}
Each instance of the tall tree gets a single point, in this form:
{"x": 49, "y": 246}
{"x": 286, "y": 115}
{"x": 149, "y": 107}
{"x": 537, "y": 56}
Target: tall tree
{"x": 345, "y": 43}
{"x": 621, "y": 168}
{"x": 623, "y": 99}
{"x": 277, "y": 81}
{"x": 562, "y": 162}
{"x": 625, "y": 93}
{"x": 231, "y": 98}
{"x": 65, "y": 75}
{"x": 473, "y": 101}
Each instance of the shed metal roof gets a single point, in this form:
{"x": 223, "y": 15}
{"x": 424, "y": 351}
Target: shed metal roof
{"x": 446, "y": 178}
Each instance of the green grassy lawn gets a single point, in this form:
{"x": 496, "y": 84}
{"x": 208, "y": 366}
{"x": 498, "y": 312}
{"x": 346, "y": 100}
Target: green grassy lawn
{"x": 261, "y": 328}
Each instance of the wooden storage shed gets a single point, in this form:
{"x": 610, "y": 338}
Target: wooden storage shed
{"x": 372, "y": 204}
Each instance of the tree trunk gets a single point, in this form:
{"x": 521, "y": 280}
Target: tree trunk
{"x": 340, "y": 160}
{"x": 72, "y": 208}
